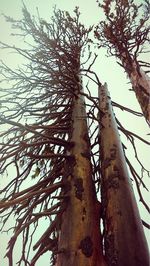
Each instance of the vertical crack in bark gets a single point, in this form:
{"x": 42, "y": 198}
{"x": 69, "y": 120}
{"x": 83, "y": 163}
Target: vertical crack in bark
{"x": 79, "y": 188}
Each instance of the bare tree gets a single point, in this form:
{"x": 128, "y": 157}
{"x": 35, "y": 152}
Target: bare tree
{"x": 122, "y": 224}
{"x": 125, "y": 34}
{"x": 52, "y": 141}
{"x": 55, "y": 149}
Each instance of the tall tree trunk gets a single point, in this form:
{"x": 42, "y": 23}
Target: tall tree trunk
{"x": 140, "y": 83}
{"x": 124, "y": 239}
{"x": 80, "y": 239}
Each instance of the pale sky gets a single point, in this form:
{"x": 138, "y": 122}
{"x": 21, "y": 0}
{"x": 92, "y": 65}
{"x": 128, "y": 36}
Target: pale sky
{"x": 107, "y": 69}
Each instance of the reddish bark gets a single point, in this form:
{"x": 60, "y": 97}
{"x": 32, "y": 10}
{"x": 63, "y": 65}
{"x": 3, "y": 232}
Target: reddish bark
{"x": 125, "y": 243}
{"x": 80, "y": 239}
{"x": 140, "y": 83}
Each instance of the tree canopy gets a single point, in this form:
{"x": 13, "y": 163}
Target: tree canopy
{"x": 125, "y": 34}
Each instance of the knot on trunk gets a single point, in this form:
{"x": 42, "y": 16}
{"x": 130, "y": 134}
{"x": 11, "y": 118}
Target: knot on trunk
{"x": 86, "y": 245}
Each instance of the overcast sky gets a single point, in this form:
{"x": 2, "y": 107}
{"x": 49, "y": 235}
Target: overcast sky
{"x": 107, "y": 68}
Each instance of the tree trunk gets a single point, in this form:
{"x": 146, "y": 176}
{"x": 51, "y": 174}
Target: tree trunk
{"x": 140, "y": 83}
{"x": 80, "y": 239}
{"x": 124, "y": 239}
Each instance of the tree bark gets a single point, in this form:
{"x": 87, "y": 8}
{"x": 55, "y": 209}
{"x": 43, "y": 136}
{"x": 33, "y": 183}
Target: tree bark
{"x": 140, "y": 83}
{"x": 124, "y": 239}
{"x": 80, "y": 238}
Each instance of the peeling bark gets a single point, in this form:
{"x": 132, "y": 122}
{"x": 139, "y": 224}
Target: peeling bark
{"x": 80, "y": 239}
{"x": 124, "y": 239}
{"x": 140, "y": 83}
